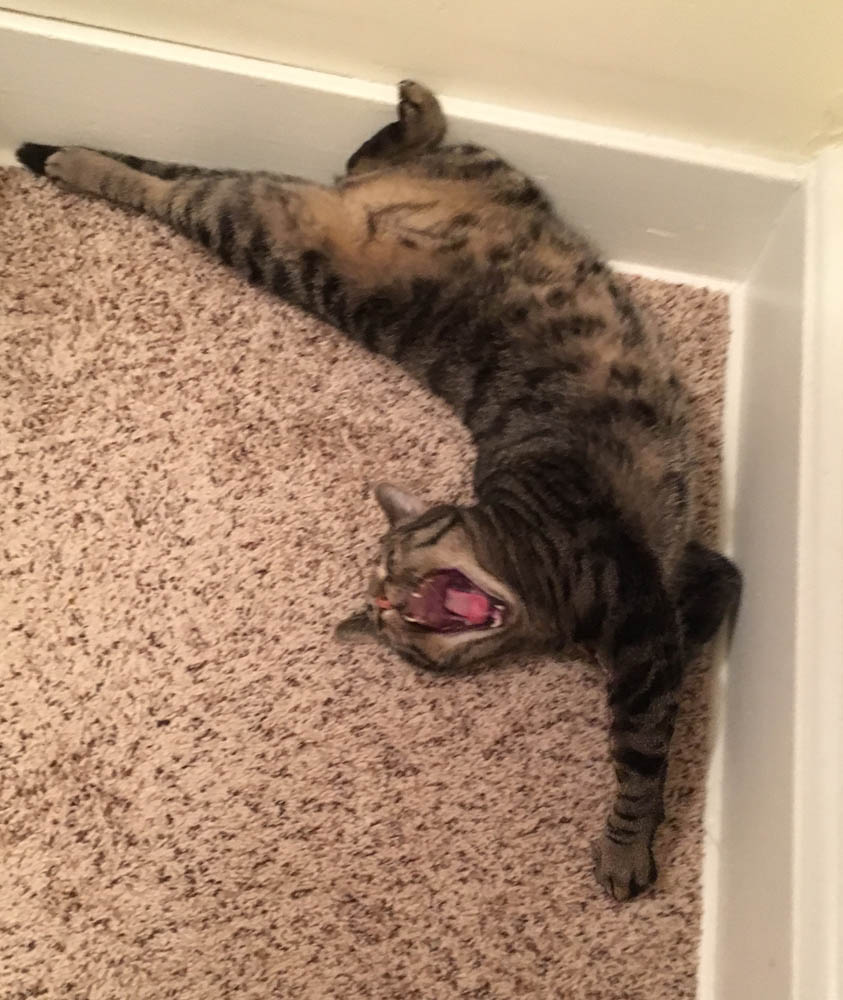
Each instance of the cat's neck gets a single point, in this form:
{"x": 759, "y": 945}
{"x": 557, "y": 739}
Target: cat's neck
{"x": 555, "y": 489}
{"x": 549, "y": 519}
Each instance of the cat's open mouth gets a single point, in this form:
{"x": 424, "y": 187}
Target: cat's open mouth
{"x": 447, "y": 601}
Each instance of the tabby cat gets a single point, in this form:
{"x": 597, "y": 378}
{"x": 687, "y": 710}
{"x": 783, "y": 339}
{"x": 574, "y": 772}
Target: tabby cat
{"x": 452, "y": 263}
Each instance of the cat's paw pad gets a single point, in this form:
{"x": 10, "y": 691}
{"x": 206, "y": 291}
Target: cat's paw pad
{"x": 624, "y": 870}
{"x": 34, "y": 156}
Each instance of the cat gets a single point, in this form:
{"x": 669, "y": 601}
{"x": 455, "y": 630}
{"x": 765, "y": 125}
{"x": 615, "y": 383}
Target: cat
{"x": 455, "y": 265}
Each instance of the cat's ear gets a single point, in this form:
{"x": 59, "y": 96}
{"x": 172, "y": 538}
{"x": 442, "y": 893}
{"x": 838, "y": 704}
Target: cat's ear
{"x": 357, "y": 628}
{"x": 399, "y": 505}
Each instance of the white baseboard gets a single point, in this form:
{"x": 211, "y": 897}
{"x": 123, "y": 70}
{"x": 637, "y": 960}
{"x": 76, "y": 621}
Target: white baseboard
{"x": 674, "y": 277}
{"x": 642, "y": 198}
{"x": 756, "y": 878}
{"x": 817, "y": 946}
{"x": 774, "y": 877}
{"x": 773, "y": 919}
{"x": 714, "y": 893}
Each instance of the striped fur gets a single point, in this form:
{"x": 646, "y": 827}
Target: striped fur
{"x": 453, "y": 264}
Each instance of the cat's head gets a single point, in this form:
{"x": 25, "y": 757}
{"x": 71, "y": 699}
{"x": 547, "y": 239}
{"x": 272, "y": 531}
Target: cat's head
{"x": 439, "y": 596}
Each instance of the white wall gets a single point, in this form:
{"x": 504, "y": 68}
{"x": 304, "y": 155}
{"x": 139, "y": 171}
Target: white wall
{"x": 759, "y": 75}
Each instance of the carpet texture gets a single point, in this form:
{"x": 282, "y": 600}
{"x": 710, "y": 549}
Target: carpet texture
{"x": 203, "y": 796}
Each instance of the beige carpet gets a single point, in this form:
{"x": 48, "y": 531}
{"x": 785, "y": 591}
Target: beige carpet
{"x": 202, "y": 796}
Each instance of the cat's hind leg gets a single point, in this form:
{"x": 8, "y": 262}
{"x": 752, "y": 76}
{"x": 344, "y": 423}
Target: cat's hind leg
{"x": 117, "y": 180}
{"x": 420, "y": 128}
{"x": 274, "y": 229}
{"x": 34, "y": 156}
{"x": 191, "y": 199}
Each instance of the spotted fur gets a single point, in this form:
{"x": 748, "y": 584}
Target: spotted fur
{"x": 452, "y": 263}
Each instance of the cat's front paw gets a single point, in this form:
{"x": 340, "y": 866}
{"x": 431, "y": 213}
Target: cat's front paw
{"x": 624, "y": 870}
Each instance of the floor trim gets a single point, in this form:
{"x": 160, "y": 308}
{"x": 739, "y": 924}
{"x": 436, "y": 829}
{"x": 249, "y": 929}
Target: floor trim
{"x": 818, "y": 751}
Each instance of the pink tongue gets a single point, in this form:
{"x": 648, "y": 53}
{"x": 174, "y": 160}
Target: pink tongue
{"x": 473, "y": 608}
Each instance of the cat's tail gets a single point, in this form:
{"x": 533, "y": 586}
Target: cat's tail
{"x": 709, "y": 593}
